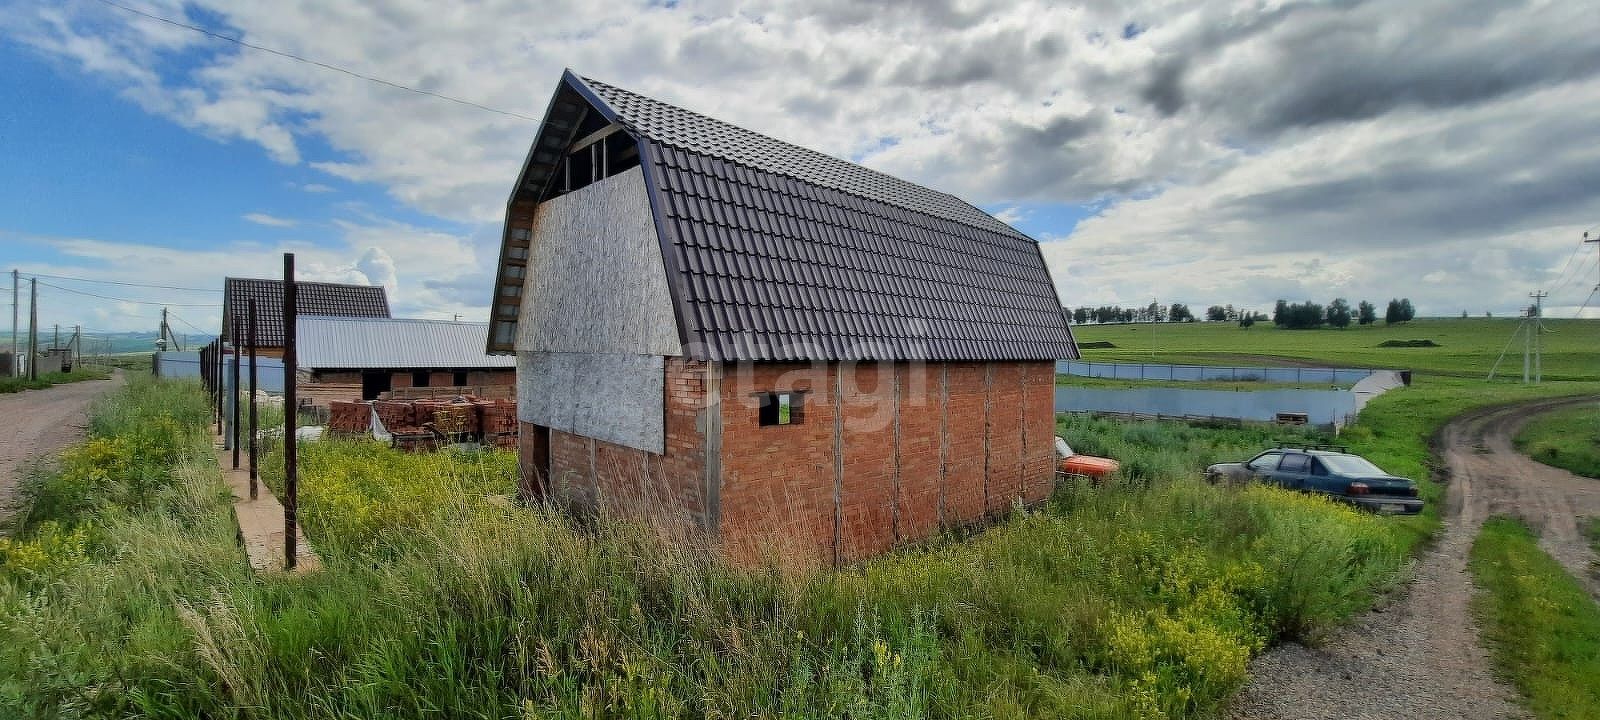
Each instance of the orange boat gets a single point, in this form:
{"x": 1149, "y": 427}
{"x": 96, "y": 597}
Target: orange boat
{"x": 1089, "y": 466}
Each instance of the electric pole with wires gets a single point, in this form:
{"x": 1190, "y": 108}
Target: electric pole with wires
{"x": 1536, "y": 331}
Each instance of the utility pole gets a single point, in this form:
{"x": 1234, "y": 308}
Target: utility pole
{"x": 1596, "y": 241}
{"x": 33, "y": 328}
{"x": 16, "y": 361}
{"x": 1527, "y": 345}
{"x": 1538, "y": 331}
{"x": 76, "y": 344}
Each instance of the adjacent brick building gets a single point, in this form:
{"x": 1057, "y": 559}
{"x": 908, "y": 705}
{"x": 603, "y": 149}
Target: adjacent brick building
{"x": 357, "y": 358}
{"x": 785, "y": 350}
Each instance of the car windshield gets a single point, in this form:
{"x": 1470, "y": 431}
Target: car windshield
{"x": 1351, "y": 465}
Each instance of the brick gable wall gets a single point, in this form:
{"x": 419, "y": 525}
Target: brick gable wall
{"x": 883, "y": 454}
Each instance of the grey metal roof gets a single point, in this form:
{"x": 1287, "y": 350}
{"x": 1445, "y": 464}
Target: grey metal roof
{"x": 775, "y": 253}
{"x": 352, "y": 343}
{"x": 311, "y": 298}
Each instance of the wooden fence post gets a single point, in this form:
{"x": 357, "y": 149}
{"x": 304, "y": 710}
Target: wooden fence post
{"x": 290, "y": 470}
{"x": 233, "y": 395}
{"x": 253, "y": 447}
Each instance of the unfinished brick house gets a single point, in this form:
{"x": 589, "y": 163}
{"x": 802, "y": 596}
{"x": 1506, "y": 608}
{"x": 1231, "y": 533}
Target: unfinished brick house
{"x": 782, "y": 347}
{"x": 346, "y": 358}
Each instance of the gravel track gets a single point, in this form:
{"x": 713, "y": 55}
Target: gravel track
{"x": 35, "y": 424}
{"x": 1418, "y": 655}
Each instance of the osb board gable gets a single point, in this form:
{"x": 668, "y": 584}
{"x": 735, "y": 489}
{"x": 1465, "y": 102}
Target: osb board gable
{"x": 595, "y": 281}
{"x": 607, "y": 396}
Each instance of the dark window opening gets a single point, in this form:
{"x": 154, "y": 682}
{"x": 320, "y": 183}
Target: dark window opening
{"x": 781, "y": 408}
{"x": 373, "y": 384}
{"x": 598, "y": 151}
{"x": 460, "y": 378}
{"x": 1295, "y": 463}
{"x": 419, "y": 378}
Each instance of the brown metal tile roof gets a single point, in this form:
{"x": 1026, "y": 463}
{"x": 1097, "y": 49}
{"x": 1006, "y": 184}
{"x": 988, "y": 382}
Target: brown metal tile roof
{"x": 311, "y": 298}
{"x": 776, "y": 252}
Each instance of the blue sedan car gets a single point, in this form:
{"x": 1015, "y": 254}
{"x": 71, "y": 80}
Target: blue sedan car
{"x": 1335, "y": 473}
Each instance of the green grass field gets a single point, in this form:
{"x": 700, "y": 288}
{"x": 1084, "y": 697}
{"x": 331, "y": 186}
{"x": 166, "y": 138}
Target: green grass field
{"x": 11, "y": 385}
{"x": 1544, "y": 630}
{"x": 1467, "y": 347}
{"x": 1568, "y": 438}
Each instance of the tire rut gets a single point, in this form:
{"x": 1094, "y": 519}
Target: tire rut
{"x": 1418, "y": 655}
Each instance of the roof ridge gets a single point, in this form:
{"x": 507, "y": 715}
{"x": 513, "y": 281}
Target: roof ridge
{"x": 654, "y": 137}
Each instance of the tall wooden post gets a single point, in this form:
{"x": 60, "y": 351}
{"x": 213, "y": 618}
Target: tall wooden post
{"x": 233, "y": 397}
{"x": 33, "y": 328}
{"x": 217, "y": 368}
{"x": 291, "y": 472}
{"x": 253, "y": 448}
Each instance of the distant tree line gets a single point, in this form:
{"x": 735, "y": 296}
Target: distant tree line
{"x": 1338, "y": 314}
{"x": 1154, "y": 312}
{"x": 1287, "y": 315}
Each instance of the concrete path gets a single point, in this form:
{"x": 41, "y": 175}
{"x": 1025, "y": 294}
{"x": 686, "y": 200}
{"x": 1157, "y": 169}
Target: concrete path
{"x": 36, "y": 424}
{"x": 261, "y": 519}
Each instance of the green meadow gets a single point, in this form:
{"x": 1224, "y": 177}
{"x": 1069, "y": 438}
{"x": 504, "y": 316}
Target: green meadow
{"x": 1465, "y": 347}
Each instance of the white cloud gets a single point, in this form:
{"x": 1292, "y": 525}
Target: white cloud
{"x": 270, "y": 220}
{"x": 1230, "y": 144}
{"x": 315, "y": 188}
{"x": 419, "y": 268}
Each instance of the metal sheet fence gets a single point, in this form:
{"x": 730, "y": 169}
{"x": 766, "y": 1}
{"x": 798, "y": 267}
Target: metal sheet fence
{"x": 1321, "y": 407}
{"x": 269, "y": 371}
{"x": 1181, "y": 373}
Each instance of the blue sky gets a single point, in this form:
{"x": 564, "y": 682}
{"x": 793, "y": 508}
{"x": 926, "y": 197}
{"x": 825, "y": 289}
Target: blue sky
{"x": 86, "y": 162}
{"x": 1196, "y": 152}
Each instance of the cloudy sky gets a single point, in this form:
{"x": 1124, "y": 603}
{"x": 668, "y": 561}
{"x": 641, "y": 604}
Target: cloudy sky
{"x": 1220, "y": 152}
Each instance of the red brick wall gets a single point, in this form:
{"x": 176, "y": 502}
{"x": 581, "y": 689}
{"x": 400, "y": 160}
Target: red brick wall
{"x": 918, "y": 452}
{"x": 777, "y": 490}
{"x": 975, "y": 435}
{"x": 595, "y": 475}
{"x": 883, "y": 454}
{"x": 966, "y": 436}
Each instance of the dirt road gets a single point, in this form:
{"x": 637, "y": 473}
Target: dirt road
{"x": 1419, "y": 656}
{"x": 35, "y": 424}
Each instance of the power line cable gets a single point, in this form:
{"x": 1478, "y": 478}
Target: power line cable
{"x": 171, "y": 314}
{"x": 317, "y": 63}
{"x": 126, "y": 284}
{"x": 1585, "y": 304}
{"x": 131, "y": 300}
{"x": 1562, "y": 278}
{"x": 1583, "y": 269}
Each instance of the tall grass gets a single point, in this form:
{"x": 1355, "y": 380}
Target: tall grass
{"x": 1568, "y": 438}
{"x": 1543, "y": 628}
{"x": 1139, "y": 599}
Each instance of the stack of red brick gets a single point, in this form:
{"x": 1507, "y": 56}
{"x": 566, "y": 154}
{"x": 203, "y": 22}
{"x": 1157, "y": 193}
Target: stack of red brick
{"x": 349, "y": 417}
{"x": 494, "y": 420}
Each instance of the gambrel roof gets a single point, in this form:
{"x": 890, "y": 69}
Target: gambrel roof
{"x": 775, "y": 252}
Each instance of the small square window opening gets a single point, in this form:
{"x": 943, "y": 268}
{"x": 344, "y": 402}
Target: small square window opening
{"x": 780, "y": 408}
{"x": 419, "y": 378}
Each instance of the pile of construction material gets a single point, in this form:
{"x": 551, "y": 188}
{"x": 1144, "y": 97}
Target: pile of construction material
{"x": 428, "y": 424}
